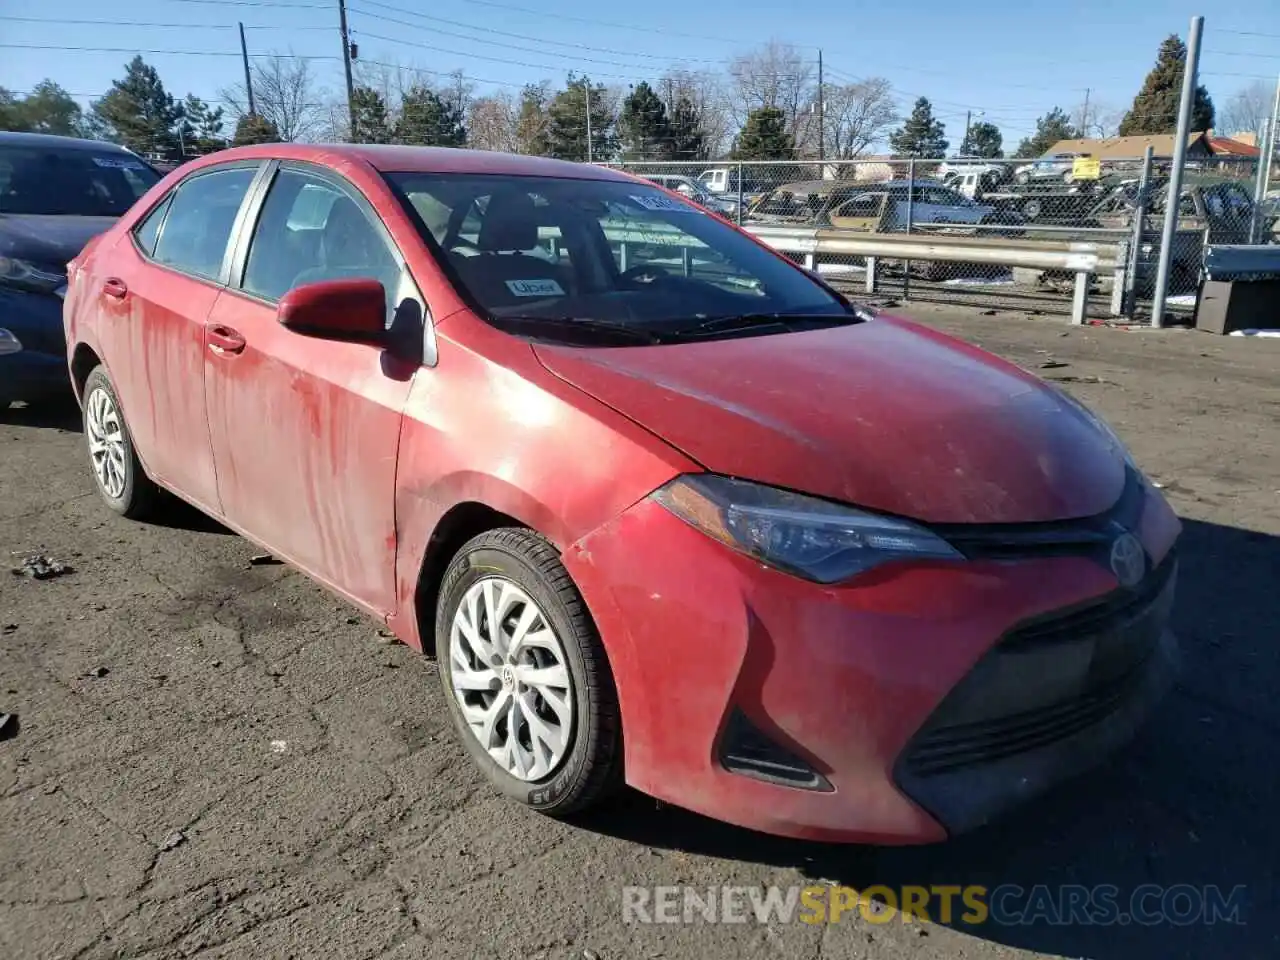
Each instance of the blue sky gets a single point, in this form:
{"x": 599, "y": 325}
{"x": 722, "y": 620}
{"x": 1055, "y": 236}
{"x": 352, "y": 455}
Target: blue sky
{"x": 1009, "y": 59}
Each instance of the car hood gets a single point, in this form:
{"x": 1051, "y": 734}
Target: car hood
{"x": 48, "y": 239}
{"x": 885, "y": 414}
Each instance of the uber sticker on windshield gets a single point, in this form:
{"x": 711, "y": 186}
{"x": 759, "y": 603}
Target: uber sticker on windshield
{"x": 535, "y": 288}
{"x": 659, "y": 202}
{"x": 119, "y": 163}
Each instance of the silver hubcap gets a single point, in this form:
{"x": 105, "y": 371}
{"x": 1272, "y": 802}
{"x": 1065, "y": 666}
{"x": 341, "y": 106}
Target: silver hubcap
{"x": 511, "y": 679}
{"x": 106, "y": 442}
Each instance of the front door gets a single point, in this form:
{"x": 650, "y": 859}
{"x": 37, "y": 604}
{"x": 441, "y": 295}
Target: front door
{"x": 304, "y": 429}
{"x": 158, "y": 288}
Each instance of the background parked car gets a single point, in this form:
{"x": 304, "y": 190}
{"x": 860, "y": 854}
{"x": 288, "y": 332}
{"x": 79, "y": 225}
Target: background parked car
{"x": 826, "y": 202}
{"x": 1052, "y": 166}
{"x": 56, "y": 193}
{"x": 697, "y": 192}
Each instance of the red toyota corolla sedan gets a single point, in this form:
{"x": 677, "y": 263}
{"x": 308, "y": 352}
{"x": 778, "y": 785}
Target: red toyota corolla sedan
{"x": 667, "y": 508}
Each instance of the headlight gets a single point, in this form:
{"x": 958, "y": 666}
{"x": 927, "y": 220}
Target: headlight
{"x": 9, "y": 343}
{"x": 808, "y": 537}
{"x": 29, "y": 276}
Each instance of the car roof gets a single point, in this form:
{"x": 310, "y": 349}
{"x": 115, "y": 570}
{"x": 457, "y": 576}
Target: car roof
{"x": 14, "y": 139}
{"x": 394, "y": 158}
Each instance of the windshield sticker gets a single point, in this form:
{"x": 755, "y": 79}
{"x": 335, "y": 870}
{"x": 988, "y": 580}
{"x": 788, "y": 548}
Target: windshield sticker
{"x": 535, "y": 288}
{"x": 119, "y": 163}
{"x": 666, "y": 204}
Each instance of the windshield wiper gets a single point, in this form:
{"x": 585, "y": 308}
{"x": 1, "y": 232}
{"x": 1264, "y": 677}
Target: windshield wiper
{"x": 732, "y": 323}
{"x": 585, "y": 324}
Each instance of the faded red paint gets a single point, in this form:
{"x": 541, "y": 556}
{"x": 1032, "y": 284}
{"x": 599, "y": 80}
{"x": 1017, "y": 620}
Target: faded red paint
{"x": 343, "y": 461}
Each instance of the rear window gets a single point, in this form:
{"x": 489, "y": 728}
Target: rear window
{"x": 71, "y": 182}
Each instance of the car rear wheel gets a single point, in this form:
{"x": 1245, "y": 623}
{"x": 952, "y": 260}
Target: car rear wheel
{"x": 118, "y": 473}
{"x": 523, "y": 669}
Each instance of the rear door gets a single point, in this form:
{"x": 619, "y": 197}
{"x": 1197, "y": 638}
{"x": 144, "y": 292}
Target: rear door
{"x": 156, "y": 292}
{"x": 305, "y": 430}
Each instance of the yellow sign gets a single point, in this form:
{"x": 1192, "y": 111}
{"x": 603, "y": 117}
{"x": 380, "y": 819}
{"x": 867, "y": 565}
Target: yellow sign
{"x": 1086, "y": 168}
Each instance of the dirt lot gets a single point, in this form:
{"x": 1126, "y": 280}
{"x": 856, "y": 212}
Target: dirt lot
{"x": 217, "y": 759}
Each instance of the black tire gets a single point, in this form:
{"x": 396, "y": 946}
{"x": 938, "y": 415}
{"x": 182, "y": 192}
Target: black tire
{"x": 592, "y": 766}
{"x": 1031, "y": 209}
{"x": 139, "y": 493}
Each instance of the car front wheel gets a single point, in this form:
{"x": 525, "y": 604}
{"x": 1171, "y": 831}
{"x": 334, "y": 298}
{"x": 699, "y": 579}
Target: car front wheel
{"x": 118, "y": 473}
{"x": 526, "y": 677}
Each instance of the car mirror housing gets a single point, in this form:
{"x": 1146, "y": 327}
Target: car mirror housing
{"x": 349, "y": 309}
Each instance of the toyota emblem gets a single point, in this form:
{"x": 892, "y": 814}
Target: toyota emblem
{"x": 1128, "y": 559}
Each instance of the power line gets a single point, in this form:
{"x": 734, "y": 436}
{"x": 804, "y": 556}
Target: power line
{"x": 182, "y": 26}
{"x": 181, "y": 53}
{"x": 518, "y": 36}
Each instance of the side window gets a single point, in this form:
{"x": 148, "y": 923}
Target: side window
{"x": 147, "y": 231}
{"x": 201, "y": 214}
{"x": 310, "y": 230}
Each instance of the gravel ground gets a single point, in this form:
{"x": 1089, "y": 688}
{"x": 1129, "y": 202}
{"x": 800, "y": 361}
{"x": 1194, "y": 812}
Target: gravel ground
{"x": 218, "y": 759}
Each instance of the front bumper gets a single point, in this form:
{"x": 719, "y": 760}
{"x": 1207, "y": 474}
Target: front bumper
{"x": 723, "y": 665}
{"x": 39, "y": 370}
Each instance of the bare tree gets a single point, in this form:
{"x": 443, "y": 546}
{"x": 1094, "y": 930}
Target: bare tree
{"x": 1096, "y": 118}
{"x": 493, "y": 123}
{"x": 857, "y": 115}
{"x": 285, "y": 94}
{"x": 775, "y": 75}
{"x": 706, "y": 92}
{"x": 1247, "y": 109}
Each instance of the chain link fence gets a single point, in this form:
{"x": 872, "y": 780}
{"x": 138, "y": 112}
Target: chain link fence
{"x": 1051, "y": 198}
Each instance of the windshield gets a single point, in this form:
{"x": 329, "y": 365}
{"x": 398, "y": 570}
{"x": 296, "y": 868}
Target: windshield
{"x": 626, "y": 254}
{"x": 71, "y": 182}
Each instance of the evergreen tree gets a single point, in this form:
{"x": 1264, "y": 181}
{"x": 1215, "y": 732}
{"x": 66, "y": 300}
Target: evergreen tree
{"x": 426, "y": 119}
{"x": 567, "y": 130}
{"x": 201, "y": 127}
{"x": 644, "y": 131}
{"x": 688, "y": 140}
{"x": 11, "y": 111}
{"x": 1052, "y": 127}
{"x": 984, "y": 140}
{"x": 254, "y": 128}
{"x": 920, "y": 134}
{"x": 46, "y": 109}
{"x": 532, "y": 122}
{"x": 139, "y": 113}
{"x": 1155, "y": 108}
{"x": 764, "y": 137}
{"x": 369, "y": 117}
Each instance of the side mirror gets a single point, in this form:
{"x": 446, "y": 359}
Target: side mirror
{"x": 354, "y": 309}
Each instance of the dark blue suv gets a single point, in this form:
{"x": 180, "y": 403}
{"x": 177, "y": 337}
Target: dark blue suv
{"x": 56, "y": 193}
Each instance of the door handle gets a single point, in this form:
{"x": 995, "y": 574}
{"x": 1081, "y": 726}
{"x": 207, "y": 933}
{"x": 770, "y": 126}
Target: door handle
{"x": 224, "y": 339}
{"x": 114, "y": 288}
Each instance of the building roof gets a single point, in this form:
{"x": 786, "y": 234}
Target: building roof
{"x": 1230, "y": 147}
{"x": 1126, "y": 148}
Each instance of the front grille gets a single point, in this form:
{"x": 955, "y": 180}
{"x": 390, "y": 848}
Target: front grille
{"x": 1048, "y": 679}
{"x": 745, "y": 750}
{"x": 1087, "y": 536}
{"x": 983, "y": 741}
{"x": 1118, "y": 609}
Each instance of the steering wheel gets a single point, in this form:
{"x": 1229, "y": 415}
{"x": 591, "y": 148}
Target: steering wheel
{"x": 650, "y": 270}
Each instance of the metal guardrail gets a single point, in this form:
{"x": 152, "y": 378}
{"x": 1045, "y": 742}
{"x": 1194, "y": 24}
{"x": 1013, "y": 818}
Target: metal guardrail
{"x": 1083, "y": 259}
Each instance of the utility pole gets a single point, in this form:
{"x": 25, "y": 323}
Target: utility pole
{"x": 248, "y": 77}
{"x": 822, "y": 119}
{"x": 346, "y": 66}
{"x": 1084, "y": 118}
{"x": 968, "y": 120}
{"x": 1172, "y": 205}
{"x": 1268, "y": 152}
{"x": 586, "y": 90}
